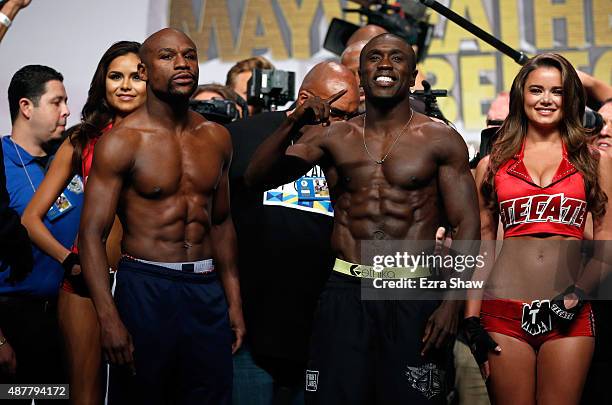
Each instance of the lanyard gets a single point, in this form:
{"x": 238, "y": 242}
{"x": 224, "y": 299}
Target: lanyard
{"x": 23, "y": 166}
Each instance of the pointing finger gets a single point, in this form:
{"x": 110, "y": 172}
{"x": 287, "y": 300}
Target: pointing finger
{"x": 336, "y": 96}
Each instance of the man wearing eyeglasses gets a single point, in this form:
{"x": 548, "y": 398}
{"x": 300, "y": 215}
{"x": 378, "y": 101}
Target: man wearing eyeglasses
{"x": 284, "y": 250}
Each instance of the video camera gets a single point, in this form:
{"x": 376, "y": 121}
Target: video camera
{"x": 219, "y": 111}
{"x": 429, "y": 98}
{"x": 408, "y": 21}
{"x": 270, "y": 88}
{"x": 592, "y": 119}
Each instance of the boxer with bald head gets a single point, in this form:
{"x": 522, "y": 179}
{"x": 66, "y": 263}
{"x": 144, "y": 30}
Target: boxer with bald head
{"x": 283, "y": 250}
{"x": 393, "y": 174}
{"x": 164, "y": 172}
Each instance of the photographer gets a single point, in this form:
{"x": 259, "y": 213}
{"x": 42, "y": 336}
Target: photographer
{"x": 214, "y": 91}
{"x": 240, "y": 74}
{"x": 218, "y": 103}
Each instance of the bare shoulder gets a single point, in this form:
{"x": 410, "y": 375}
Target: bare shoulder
{"x": 65, "y": 149}
{"x": 446, "y": 141}
{"x": 319, "y": 134}
{"x": 436, "y": 130}
{"x": 483, "y": 164}
{"x": 122, "y": 136}
{"x": 117, "y": 147}
{"x": 481, "y": 169}
{"x": 202, "y": 126}
{"x": 210, "y": 130}
{"x": 355, "y": 124}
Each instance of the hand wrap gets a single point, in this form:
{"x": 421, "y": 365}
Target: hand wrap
{"x": 478, "y": 339}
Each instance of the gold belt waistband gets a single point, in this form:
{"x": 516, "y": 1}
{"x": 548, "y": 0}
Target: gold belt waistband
{"x": 359, "y": 270}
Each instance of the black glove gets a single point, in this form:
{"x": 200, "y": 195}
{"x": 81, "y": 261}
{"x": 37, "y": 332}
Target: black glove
{"x": 16, "y": 253}
{"x": 77, "y": 281}
{"x": 69, "y": 262}
{"x": 478, "y": 339}
{"x": 558, "y": 310}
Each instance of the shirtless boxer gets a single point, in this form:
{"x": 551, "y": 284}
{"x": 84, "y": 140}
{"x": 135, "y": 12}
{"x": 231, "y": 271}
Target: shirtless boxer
{"x": 350, "y": 59}
{"x": 393, "y": 174}
{"x": 164, "y": 171}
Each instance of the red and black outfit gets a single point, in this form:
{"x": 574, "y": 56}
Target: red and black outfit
{"x": 528, "y": 209}
{"x": 76, "y": 284}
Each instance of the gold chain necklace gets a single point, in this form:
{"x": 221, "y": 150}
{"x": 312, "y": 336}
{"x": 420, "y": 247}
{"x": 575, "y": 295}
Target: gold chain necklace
{"x": 381, "y": 161}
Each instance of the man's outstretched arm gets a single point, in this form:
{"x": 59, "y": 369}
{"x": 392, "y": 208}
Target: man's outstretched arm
{"x": 272, "y": 165}
{"x": 112, "y": 160}
{"x": 597, "y": 90}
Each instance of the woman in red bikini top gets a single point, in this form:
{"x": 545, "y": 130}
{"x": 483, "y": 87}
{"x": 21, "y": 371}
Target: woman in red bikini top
{"x": 540, "y": 182}
{"x": 115, "y": 91}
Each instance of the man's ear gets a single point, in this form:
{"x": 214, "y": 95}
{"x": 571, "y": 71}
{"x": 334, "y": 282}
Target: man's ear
{"x": 142, "y": 72}
{"x": 415, "y": 73}
{"x": 26, "y": 106}
{"x": 303, "y": 95}
{"x": 361, "y": 77}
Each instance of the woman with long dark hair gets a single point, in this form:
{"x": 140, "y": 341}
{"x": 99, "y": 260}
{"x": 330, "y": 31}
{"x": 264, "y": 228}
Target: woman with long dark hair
{"x": 541, "y": 180}
{"x": 115, "y": 91}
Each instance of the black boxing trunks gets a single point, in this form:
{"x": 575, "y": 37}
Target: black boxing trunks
{"x": 369, "y": 352}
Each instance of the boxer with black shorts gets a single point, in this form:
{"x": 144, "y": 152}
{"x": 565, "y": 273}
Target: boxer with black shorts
{"x": 393, "y": 174}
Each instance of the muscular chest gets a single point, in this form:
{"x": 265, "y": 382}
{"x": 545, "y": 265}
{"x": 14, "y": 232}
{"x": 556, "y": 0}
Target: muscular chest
{"x": 408, "y": 165}
{"x": 169, "y": 166}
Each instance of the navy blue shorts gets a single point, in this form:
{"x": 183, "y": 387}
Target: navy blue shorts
{"x": 182, "y": 339}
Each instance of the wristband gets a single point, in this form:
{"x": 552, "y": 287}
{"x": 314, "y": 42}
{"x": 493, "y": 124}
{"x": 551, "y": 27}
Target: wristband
{"x": 69, "y": 262}
{"x": 4, "y": 20}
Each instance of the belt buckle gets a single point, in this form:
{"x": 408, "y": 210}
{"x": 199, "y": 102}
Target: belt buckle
{"x": 188, "y": 267}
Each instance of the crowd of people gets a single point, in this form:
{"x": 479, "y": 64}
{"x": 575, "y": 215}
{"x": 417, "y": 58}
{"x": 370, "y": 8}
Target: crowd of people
{"x": 151, "y": 255}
